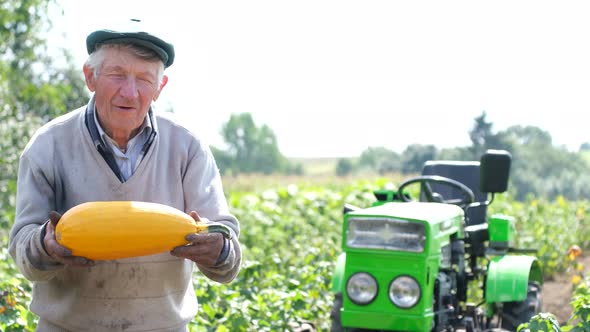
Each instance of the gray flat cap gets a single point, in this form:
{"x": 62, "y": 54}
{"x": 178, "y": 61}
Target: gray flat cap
{"x": 163, "y": 49}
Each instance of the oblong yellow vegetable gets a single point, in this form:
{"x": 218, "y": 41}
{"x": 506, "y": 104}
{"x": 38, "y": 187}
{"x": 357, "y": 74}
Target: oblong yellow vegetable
{"x": 122, "y": 229}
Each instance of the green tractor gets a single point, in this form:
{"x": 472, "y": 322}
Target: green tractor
{"x": 436, "y": 261}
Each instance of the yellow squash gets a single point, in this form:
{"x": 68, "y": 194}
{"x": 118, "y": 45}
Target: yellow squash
{"x": 121, "y": 229}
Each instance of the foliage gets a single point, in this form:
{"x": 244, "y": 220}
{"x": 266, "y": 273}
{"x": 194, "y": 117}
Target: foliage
{"x": 580, "y": 320}
{"x": 538, "y": 167}
{"x": 33, "y": 89}
{"x": 344, "y": 166}
{"x": 551, "y": 227}
{"x": 290, "y": 239}
{"x": 381, "y": 159}
{"x": 541, "y": 322}
{"x": 251, "y": 148}
{"x": 414, "y": 157}
{"x": 481, "y": 136}
{"x": 457, "y": 153}
{"x": 15, "y": 294}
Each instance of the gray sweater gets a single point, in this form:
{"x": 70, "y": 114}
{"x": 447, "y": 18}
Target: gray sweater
{"x": 60, "y": 168}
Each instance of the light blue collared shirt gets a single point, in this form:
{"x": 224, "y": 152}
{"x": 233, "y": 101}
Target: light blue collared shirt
{"x": 127, "y": 160}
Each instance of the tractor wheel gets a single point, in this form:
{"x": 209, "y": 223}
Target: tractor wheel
{"x": 335, "y": 317}
{"x": 516, "y": 313}
{"x": 335, "y": 314}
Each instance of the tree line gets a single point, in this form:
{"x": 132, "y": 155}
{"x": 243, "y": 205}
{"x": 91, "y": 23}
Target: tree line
{"x": 539, "y": 168}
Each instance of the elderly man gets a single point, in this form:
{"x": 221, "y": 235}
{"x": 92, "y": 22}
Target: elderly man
{"x": 117, "y": 148}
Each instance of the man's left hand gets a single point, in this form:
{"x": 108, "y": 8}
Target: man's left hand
{"x": 203, "y": 249}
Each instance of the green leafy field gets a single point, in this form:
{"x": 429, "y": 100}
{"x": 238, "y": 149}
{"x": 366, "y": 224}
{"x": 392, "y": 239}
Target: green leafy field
{"x": 291, "y": 237}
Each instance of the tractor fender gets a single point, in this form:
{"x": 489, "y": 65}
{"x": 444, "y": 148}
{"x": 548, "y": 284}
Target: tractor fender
{"x": 338, "y": 278}
{"x": 508, "y": 277}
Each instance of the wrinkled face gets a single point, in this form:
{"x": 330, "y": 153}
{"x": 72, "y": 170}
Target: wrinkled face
{"x": 124, "y": 89}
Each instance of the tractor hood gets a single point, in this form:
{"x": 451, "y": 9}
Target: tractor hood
{"x": 409, "y": 227}
{"x": 431, "y": 213}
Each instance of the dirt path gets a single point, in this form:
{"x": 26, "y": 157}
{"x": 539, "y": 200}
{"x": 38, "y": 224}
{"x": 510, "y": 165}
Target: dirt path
{"x": 557, "y": 293}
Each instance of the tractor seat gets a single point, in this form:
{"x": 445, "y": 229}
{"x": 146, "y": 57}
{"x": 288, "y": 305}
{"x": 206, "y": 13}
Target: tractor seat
{"x": 466, "y": 172}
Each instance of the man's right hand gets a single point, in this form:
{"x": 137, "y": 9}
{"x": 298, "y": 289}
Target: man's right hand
{"x": 57, "y": 251}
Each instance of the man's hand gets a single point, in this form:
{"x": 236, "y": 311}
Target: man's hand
{"x": 204, "y": 249}
{"x": 57, "y": 251}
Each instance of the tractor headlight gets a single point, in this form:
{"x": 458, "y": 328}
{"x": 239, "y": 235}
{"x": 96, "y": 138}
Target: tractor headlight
{"x": 361, "y": 288}
{"x": 404, "y": 292}
{"x": 382, "y": 233}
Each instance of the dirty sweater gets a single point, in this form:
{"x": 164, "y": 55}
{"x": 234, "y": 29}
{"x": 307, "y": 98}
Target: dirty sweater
{"x": 60, "y": 168}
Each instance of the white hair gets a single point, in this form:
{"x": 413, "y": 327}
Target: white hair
{"x": 96, "y": 58}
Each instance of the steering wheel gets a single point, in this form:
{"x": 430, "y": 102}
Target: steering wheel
{"x": 432, "y": 196}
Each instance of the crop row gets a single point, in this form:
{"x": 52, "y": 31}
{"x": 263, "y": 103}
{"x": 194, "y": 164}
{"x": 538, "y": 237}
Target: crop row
{"x": 291, "y": 237}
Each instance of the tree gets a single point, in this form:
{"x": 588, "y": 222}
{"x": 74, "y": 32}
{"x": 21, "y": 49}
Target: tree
{"x": 344, "y": 167}
{"x": 33, "y": 88}
{"x": 223, "y": 159}
{"x": 415, "y": 155}
{"x": 458, "y": 153}
{"x": 252, "y": 149}
{"x": 526, "y": 135}
{"x": 542, "y": 169}
{"x": 380, "y": 159}
{"x": 482, "y": 137}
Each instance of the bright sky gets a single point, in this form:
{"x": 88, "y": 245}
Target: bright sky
{"x": 332, "y": 78}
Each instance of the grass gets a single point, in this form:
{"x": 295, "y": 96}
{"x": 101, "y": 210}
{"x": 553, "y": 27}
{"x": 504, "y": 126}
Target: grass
{"x": 317, "y": 166}
{"x": 318, "y": 172}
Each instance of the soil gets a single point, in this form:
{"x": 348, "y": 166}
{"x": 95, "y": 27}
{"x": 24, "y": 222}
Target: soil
{"x": 557, "y": 293}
